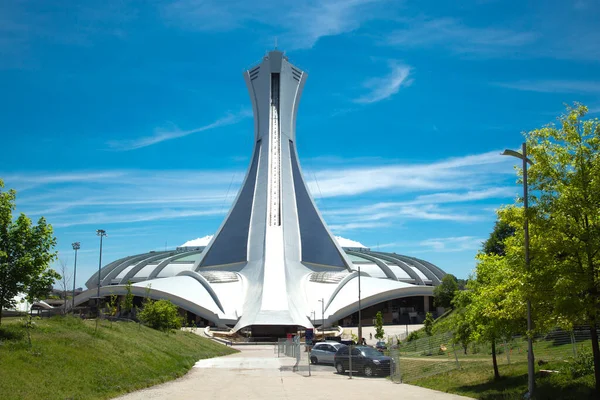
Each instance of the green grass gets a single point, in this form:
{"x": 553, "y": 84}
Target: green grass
{"x": 477, "y": 380}
{"x": 69, "y": 361}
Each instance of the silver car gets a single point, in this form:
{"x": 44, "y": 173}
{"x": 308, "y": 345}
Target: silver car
{"x": 323, "y": 352}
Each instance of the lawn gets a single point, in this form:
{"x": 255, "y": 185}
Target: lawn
{"x": 69, "y": 360}
{"x": 477, "y": 380}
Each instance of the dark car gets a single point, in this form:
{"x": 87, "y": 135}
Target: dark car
{"x": 380, "y": 346}
{"x": 365, "y": 360}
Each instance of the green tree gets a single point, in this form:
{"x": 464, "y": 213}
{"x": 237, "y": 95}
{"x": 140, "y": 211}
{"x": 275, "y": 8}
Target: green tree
{"x": 564, "y": 178}
{"x": 379, "y": 332}
{"x": 444, "y": 293}
{"x": 495, "y": 243}
{"x": 161, "y": 315}
{"x": 26, "y": 251}
{"x": 127, "y": 304}
{"x": 428, "y": 324}
{"x": 495, "y": 307}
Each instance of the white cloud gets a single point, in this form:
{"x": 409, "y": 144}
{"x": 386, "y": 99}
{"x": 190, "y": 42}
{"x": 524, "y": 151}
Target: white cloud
{"x": 383, "y": 87}
{"x": 343, "y": 242}
{"x": 451, "y": 174}
{"x": 386, "y": 194}
{"x": 554, "y": 86}
{"x": 453, "y": 244}
{"x": 161, "y": 135}
{"x": 460, "y": 38}
{"x": 300, "y": 24}
{"x": 203, "y": 241}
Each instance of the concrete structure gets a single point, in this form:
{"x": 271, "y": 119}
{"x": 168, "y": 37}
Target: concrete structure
{"x": 273, "y": 262}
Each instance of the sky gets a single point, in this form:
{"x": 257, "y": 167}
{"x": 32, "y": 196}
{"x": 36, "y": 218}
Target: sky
{"x": 133, "y": 117}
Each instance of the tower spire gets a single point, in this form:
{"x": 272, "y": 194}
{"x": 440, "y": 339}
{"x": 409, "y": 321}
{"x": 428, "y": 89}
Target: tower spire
{"x": 274, "y": 233}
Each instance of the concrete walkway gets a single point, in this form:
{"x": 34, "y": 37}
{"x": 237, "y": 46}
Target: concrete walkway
{"x": 257, "y": 373}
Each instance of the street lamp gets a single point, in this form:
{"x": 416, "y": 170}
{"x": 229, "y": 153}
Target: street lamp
{"x": 76, "y": 246}
{"x": 322, "y": 301}
{"x": 530, "y": 359}
{"x": 359, "y": 311}
{"x": 101, "y": 233}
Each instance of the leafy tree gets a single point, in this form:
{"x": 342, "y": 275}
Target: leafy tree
{"x": 495, "y": 243}
{"x": 379, "y": 332}
{"x": 443, "y": 294}
{"x": 161, "y": 315}
{"x": 495, "y": 307}
{"x": 428, "y": 324}
{"x": 564, "y": 178}
{"x": 26, "y": 251}
{"x": 127, "y": 304}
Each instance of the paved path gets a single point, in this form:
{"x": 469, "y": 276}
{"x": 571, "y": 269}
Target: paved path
{"x": 257, "y": 373}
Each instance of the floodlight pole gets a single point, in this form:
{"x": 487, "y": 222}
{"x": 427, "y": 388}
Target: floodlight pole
{"x": 530, "y": 358}
{"x": 359, "y": 311}
{"x": 322, "y": 317}
{"x": 76, "y": 246}
{"x": 101, "y": 233}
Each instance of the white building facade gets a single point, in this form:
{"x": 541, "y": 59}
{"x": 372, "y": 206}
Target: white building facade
{"x": 273, "y": 265}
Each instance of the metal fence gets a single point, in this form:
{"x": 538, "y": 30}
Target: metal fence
{"x": 437, "y": 354}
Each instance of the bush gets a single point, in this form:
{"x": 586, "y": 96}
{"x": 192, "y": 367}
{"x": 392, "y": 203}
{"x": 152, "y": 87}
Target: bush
{"x": 414, "y": 335}
{"x": 161, "y": 315}
{"x": 583, "y": 364}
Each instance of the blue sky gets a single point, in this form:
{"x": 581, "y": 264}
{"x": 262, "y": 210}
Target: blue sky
{"x": 133, "y": 116}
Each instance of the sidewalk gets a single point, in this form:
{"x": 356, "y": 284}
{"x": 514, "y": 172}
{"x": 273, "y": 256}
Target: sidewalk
{"x": 257, "y": 373}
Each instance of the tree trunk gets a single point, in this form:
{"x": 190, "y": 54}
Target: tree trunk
{"x": 465, "y": 349}
{"x": 596, "y": 352}
{"x": 495, "y": 362}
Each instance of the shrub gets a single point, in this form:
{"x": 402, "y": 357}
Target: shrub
{"x": 583, "y": 364}
{"x": 161, "y": 315}
{"x": 414, "y": 335}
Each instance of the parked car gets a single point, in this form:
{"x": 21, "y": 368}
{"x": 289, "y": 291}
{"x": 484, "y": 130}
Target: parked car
{"x": 323, "y": 352}
{"x": 365, "y": 360}
{"x": 380, "y": 346}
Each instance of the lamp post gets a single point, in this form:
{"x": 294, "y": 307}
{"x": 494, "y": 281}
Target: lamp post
{"x": 530, "y": 359}
{"x": 322, "y": 301}
{"x": 76, "y": 246}
{"x": 101, "y": 233}
{"x": 359, "y": 311}
{"x": 313, "y": 316}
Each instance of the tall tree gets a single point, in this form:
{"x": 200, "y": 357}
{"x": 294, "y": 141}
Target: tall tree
{"x": 444, "y": 293}
{"x": 494, "y": 303}
{"x": 565, "y": 179}
{"x": 26, "y": 251}
{"x": 495, "y": 243}
{"x": 379, "y": 332}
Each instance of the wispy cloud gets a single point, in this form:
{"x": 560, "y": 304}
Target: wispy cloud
{"x": 437, "y": 191}
{"x": 458, "y": 37}
{"x": 554, "y": 86}
{"x": 300, "y": 23}
{"x": 381, "y": 88}
{"x": 452, "y": 244}
{"x": 162, "y": 135}
{"x": 454, "y": 173}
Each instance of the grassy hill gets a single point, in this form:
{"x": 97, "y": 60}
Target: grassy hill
{"x": 68, "y": 360}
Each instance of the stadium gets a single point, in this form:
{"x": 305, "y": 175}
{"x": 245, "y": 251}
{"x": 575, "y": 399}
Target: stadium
{"x": 273, "y": 266}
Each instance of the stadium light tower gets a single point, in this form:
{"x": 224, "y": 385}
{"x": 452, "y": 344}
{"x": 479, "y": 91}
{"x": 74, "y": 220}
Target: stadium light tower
{"x": 76, "y": 246}
{"x": 101, "y": 233}
{"x": 530, "y": 359}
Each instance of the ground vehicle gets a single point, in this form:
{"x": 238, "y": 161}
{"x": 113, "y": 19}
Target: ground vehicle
{"x": 323, "y": 352}
{"x": 381, "y": 346}
{"x": 365, "y": 360}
